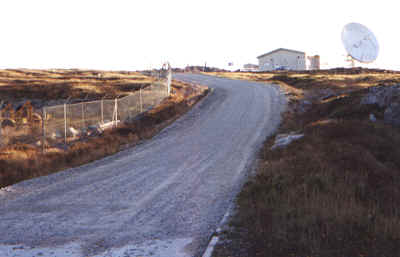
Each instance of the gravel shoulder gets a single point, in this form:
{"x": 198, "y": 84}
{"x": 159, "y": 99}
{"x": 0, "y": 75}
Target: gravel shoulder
{"x": 164, "y": 196}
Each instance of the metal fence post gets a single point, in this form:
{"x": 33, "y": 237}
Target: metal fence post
{"x": 83, "y": 117}
{"x": 140, "y": 100}
{"x": 1, "y": 121}
{"x": 116, "y": 111}
{"x": 169, "y": 80}
{"x": 102, "y": 111}
{"x": 65, "y": 123}
{"x": 43, "y": 130}
{"x": 129, "y": 106}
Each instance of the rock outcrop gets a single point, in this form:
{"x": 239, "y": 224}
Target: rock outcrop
{"x": 383, "y": 96}
{"x": 282, "y": 140}
{"x": 387, "y": 98}
{"x": 392, "y": 114}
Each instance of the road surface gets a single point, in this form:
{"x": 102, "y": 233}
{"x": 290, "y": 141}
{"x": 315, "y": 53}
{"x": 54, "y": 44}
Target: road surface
{"x": 164, "y": 197}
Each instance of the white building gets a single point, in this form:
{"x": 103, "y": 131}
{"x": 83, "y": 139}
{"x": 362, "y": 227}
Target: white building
{"x": 282, "y": 58}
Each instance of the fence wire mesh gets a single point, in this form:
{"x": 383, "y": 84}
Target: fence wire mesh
{"x": 60, "y": 124}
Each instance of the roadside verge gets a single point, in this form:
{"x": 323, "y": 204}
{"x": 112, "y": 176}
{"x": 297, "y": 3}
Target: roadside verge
{"x": 335, "y": 190}
{"x": 22, "y": 162}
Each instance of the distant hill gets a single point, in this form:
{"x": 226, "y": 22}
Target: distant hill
{"x": 198, "y": 69}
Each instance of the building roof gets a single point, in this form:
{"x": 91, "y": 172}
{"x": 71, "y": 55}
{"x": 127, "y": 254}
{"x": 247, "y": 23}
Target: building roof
{"x": 280, "y": 49}
{"x": 250, "y": 65}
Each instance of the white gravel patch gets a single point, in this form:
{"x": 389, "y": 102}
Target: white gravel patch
{"x": 154, "y": 248}
{"x": 70, "y": 250}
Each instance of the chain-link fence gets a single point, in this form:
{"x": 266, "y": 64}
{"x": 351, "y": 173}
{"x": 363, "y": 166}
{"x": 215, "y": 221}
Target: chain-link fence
{"x": 20, "y": 124}
{"x": 60, "y": 124}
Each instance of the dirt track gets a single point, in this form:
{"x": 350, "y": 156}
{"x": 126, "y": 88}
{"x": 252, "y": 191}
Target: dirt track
{"x": 164, "y": 197}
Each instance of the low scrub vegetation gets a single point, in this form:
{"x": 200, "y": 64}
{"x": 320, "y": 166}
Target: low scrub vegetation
{"x": 334, "y": 192}
{"x": 71, "y": 84}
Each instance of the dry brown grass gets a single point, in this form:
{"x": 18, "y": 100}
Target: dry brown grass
{"x": 335, "y": 192}
{"x": 20, "y": 162}
{"x": 21, "y": 84}
{"x": 335, "y": 79}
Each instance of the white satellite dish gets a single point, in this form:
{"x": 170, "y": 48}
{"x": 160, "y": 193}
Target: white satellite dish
{"x": 360, "y": 43}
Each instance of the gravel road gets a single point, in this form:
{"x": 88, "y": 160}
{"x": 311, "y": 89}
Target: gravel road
{"x": 164, "y": 197}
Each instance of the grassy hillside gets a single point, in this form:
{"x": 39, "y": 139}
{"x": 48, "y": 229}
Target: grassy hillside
{"x": 45, "y": 85}
{"x": 334, "y": 192}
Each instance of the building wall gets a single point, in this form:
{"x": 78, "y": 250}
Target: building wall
{"x": 289, "y": 60}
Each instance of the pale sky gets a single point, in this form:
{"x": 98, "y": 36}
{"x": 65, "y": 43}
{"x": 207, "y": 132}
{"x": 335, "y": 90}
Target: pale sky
{"x": 130, "y": 35}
